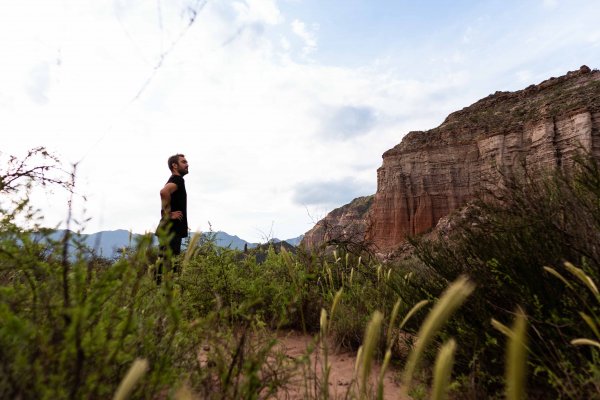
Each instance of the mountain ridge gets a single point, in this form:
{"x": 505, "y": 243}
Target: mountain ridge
{"x": 109, "y": 243}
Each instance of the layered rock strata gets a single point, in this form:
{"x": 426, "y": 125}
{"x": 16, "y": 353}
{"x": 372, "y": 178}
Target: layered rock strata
{"x": 346, "y": 225}
{"x": 431, "y": 173}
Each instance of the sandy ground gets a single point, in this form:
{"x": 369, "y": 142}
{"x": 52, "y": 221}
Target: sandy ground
{"x": 341, "y": 379}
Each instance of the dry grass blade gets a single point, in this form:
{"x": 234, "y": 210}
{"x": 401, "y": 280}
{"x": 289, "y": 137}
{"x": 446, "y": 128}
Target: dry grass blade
{"x": 554, "y": 272}
{"x": 393, "y": 317}
{"x": 287, "y": 258}
{"x": 502, "y": 328}
{"x": 384, "y": 366}
{"x": 581, "y": 275}
{"x": 336, "y": 300}
{"x": 323, "y": 324}
{"x": 330, "y": 276}
{"x": 591, "y": 323}
{"x": 585, "y": 342}
{"x": 451, "y": 299}
{"x": 369, "y": 345}
{"x": 191, "y": 249}
{"x": 413, "y": 311}
{"x": 516, "y": 360}
{"x": 136, "y": 372}
{"x": 358, "y": 360}
{"x": 443, "y": 370}
{"x": 325, "y": 367}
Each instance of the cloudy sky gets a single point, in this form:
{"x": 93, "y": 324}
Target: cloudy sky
{"x": 282, "y": 107}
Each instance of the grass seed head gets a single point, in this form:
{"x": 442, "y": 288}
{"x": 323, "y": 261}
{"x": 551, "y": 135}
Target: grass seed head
{"x": 443, "y": 370}
{"x": 516, "y": 360}
{"x": 137, "y": 370}
{"x": 451, "y": 299}
{"x": 369, "y": 346}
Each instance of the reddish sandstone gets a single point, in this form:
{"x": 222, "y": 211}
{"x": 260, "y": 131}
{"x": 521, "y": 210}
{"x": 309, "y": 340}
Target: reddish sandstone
{"x": 431, "y": 173}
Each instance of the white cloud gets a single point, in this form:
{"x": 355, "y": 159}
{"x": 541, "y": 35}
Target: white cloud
{"x": 229, "y": 95}
{"x": 308, "y": 37}
{"x": 285, "y": 43}
{"x": 39, "y": 83}
{"x": 468, "y": 35}
{"x": 261, "y": 11}
{"x": 524, "y": 76}
{"x": 242, "y": 113}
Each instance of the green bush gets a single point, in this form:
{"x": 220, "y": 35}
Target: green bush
{"x": 72, "y": 324}
{"x": 503, "y": 244}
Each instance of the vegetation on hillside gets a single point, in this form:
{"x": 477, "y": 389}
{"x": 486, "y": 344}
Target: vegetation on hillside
{"x": 517, "y": 247}
{"x": 491, "y": 311}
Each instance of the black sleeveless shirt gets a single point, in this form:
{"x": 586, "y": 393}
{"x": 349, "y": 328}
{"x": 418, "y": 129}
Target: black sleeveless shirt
{"x": 179, "y": 203}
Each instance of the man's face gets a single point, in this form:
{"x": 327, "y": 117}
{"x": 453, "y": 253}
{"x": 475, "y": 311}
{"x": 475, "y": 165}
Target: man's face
{"x": 182, "y": 166}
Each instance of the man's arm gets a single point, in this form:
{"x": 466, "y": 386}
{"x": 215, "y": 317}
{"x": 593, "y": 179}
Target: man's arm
{"x": 165, "y": 199}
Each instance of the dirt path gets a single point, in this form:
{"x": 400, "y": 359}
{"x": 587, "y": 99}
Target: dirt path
{"x": 295, "y": 346}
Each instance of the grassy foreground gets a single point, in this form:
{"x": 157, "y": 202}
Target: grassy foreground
{"x": 491, "y": 312}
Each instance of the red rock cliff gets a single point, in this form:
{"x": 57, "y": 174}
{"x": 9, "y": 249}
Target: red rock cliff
{"x": 346, "y": 225}
{"x": 431, "y": 173}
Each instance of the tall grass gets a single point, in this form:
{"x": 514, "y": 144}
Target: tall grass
{"x": 443, "y": 370}
{"x": 73, "y": 326}
{"x": 134, "y": 374}
{"x": 450, "y": 300}
{"x": 516, "y": 355}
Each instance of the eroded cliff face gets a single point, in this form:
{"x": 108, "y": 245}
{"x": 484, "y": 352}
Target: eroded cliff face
{"x": 346, "y": 225}
{"x": 431, "y": 173}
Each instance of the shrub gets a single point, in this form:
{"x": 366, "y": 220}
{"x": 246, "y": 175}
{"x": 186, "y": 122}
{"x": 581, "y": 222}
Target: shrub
{"x": 503, "y": 244}
{"x": 72, "y": 327}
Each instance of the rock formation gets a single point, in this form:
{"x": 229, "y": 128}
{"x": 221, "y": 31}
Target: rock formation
{"x": 346, "y": 225}
{"x": 431, "y": 173}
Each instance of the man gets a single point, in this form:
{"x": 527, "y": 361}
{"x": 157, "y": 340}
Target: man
{"x": 173, "y": 222}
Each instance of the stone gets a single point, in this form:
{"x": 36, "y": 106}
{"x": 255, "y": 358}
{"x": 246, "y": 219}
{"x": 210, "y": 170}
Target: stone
{"x": 431, "y": 173}
{"x": 346, "y": 226}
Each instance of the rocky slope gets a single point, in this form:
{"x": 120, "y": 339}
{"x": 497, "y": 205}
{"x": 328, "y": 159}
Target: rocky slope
{"x": 344, "y": 225}
{"x": 431, "y": 173}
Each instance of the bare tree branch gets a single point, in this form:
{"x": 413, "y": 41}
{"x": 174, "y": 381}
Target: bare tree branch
{"x": 37, "y": 167}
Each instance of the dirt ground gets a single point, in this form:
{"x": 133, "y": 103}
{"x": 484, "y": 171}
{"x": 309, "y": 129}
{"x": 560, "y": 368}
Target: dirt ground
{"x": 295, "y": 346}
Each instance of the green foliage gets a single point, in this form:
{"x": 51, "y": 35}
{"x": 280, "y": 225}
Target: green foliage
{"x": 503, "y": 244}
{"x": 72, "y": 327}
{"x": 277, "y": 292}
{"x": 72, "y": 324}
{"x": 366, "y": 289}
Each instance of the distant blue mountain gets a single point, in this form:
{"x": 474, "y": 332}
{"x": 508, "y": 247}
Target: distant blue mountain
{"x": 108, "y": 243}
{"x": 295, "y": 241}
{"x": 223, "y": 239}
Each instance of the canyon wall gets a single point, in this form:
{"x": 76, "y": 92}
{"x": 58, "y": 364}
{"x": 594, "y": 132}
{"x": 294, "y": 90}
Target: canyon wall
{"x": 346, "y": 225}
{"x": 431, "y": 173}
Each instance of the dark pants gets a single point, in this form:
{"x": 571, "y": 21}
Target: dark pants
{"x": 167, "y": 251}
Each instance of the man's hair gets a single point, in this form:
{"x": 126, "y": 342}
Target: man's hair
{"x": 174, "y": 159}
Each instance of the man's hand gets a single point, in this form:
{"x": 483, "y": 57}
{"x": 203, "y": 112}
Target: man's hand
{"x": 176, "y": 215}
